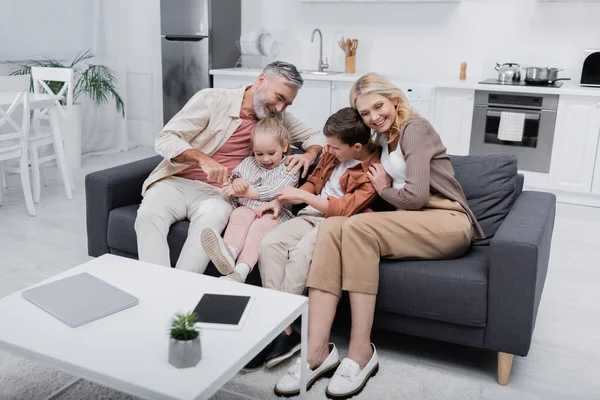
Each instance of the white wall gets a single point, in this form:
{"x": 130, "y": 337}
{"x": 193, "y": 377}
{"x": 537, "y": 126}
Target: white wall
{"x": 124, "y": 35}
{"x": 130, "y": 38}
{"x": 428, "y": 41}
{"x": 34, "y": 28}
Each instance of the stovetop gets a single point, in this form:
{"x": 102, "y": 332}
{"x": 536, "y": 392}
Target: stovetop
{"x": 521, "y": 83}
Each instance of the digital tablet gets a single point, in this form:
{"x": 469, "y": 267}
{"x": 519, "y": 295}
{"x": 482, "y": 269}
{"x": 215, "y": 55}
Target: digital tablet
{"x": 223, "y": 311}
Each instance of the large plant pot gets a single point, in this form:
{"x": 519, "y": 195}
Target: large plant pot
{"x": 184, "y": 353}
{"x": 70, "y": 126}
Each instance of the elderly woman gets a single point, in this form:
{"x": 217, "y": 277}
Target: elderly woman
{"x": 431, "y": 221}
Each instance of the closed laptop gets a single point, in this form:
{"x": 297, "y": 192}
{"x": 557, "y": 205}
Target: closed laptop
{"x": 79, "y": 299}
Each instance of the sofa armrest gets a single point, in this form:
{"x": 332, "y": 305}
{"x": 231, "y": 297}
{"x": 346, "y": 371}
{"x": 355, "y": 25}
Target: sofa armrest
{"x": 520, "y": 251}
{"x": 108, "y": 189}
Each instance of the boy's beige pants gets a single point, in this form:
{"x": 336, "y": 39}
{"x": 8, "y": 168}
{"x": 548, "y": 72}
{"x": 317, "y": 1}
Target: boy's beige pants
{"x": 285, "y": 253}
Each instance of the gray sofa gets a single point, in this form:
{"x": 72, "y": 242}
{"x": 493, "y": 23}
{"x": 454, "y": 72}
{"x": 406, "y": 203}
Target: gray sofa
{"x": 488, "y": 298}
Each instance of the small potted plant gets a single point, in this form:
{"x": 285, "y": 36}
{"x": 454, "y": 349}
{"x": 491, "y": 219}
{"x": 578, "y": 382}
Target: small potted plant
{"x": 184, "y": 345}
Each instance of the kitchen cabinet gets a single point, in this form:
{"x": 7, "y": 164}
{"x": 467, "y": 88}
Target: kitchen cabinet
{"x": 596, "y": 177}
{"x": 388, "y": 1}
{"x": 312, "y": 104}
{"x": 453, "y": 117}
{"x": 232, "y": 82}
{"x": 340, "y": 95}
{"x": 567, "y": 1}
{"x": 574, "y": 151}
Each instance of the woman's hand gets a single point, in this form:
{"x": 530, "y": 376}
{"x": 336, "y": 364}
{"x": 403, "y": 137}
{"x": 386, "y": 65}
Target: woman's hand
{"x": 291, "y": 195}
{"x": 273, "y": 207}
{"x": 379, "y": 178}
{"x": 240, "y": 186}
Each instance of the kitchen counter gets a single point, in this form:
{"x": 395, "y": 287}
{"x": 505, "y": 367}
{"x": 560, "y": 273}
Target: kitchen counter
{"x": 569, "y": 88}
{"x": 250, "y": 72}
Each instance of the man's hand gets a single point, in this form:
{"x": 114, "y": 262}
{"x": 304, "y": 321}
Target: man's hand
{"x": 215, "y": 172}
{"x": 379, "y": 178}
{"x": 240, "y": 186}
{"x": 274, "y": 206}
{"x": 291, "y": 195}
{"x": 295, "y": 162}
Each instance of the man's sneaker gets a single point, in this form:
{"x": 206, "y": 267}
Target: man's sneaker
{"x": 349, "y": 380}
{"x": 217, "y": 250}
{"x": 289, "y": 384}
{"x": 234, "y": 276}
{"x": 283, "y": 347}
{"x": 258, "y": 361}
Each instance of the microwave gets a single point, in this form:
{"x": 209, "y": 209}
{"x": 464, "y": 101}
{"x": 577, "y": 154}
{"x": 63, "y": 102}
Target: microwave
{"x": 590, "y": 71}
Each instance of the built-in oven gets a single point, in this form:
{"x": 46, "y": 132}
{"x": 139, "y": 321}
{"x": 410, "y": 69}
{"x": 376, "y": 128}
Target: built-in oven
{"x": 530, "y": 137}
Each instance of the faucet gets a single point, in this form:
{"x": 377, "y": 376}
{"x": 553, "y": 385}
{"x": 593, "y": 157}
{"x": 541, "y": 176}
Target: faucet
{"x": 322, "y": 65}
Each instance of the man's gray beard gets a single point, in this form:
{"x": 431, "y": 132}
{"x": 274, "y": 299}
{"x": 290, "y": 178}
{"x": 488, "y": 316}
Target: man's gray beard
{"x": 259, "y": 109}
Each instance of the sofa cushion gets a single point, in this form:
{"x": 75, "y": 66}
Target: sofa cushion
{"x": 490, "y": 185}
{"x": 452, "y": 291}
{"x": 121, "y": 232}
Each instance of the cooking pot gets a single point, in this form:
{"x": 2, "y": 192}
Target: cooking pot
{"x": 543, "y": 75}
{"x": 508, "y": 72}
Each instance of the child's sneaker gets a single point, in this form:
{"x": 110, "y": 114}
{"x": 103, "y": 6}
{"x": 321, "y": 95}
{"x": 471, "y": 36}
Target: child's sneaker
{"x": 218, "y": 251}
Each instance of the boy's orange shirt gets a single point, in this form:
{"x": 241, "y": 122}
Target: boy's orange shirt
{"x": 359, "y": 193}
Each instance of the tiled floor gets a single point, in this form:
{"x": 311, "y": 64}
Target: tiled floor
{"x": 565, "y": 353}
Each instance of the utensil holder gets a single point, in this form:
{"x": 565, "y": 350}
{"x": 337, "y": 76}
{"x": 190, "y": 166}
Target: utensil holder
{"x": 350, "y": 64}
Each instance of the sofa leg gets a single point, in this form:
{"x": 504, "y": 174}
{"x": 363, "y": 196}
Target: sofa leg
{"x": 504, "y": 365}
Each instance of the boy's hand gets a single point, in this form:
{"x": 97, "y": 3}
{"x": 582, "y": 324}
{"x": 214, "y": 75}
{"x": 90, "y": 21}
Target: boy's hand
{"x": 290, "y": 195}
{"x": 273, "y": 207}
{"x": 240, "y": 186}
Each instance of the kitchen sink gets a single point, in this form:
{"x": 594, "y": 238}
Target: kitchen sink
{"x": 315, "y": 72}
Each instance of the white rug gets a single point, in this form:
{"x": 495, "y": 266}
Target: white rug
{"x": 398, "y": 378}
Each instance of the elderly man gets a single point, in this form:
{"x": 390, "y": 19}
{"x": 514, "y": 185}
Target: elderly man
{"x": 201, "y": 145}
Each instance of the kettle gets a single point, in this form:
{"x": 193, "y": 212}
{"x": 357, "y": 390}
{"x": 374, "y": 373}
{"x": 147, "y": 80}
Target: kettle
{"x": 508, "y": 72}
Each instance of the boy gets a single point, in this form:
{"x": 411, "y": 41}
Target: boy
{"x": 338, "y": 186}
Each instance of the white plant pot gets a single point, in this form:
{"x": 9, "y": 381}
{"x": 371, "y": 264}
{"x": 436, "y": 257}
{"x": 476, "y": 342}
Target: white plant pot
{"x": 185, "y": 353}
{"x": 70, "y": 126}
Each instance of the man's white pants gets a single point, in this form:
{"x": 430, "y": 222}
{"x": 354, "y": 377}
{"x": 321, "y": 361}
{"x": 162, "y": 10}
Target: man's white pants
{"x": 174, "y": 199}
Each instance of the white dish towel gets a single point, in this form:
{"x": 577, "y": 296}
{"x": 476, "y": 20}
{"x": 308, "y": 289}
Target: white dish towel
{"x": 511, "y": 126}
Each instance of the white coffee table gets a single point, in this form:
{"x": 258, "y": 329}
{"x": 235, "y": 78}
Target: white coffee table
{"x": 128, "y": 350}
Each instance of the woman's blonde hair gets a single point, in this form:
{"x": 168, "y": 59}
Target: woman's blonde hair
{"x": 271, "y": 126}
{"x": 375, "y": 83}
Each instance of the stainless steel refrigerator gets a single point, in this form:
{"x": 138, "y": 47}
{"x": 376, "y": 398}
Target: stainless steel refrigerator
{"x": 196, "y": 36}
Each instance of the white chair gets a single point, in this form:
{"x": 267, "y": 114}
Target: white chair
{"x": 14, "y": 143}
{"x": 41, "y": 135}
{"x": 12, "y": 84}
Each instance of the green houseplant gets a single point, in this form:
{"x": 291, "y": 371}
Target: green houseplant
{"x": 184, "y": 345}
{"x": 97, "y": 82}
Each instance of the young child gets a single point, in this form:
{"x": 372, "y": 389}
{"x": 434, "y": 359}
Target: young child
{"x": 338, "y": 186}
{"x": 252, "y": 183}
